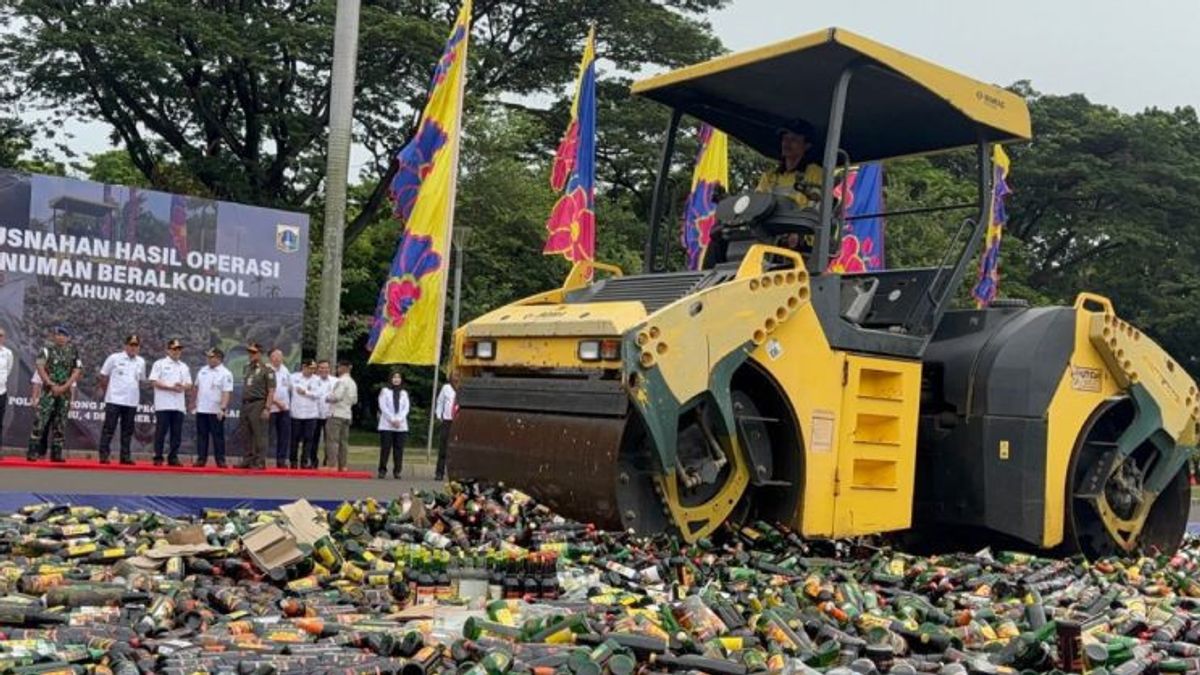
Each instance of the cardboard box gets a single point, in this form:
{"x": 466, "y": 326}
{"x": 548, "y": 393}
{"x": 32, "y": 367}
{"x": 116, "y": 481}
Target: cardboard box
{"x": 277, "y": 544}
{"x": 270, "y": 547}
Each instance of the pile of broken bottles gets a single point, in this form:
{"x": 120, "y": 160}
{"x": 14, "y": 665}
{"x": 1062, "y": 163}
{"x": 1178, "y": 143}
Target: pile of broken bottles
{"x": 485, "y": 581}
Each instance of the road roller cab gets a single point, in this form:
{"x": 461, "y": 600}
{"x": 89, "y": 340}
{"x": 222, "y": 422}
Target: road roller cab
{"x": 762, "y": 386}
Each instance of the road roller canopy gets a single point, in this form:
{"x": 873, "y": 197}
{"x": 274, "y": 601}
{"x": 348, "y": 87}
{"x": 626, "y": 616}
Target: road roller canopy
{"x": 896, "y": 105}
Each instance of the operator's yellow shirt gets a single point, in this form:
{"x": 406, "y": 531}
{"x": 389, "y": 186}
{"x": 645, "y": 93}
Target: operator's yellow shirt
{"x": 779, "y": 182}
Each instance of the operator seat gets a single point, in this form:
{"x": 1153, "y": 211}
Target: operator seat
{"x": 750, "y": 218}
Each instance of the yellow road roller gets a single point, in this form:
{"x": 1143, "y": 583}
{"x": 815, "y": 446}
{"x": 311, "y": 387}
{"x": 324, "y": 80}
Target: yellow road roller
{"x": 763, "y": 386}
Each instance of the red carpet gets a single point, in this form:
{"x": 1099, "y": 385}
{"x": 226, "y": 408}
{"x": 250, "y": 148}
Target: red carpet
{"x": 147, "y": 467}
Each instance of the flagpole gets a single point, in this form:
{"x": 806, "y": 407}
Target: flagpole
{"x": 437, "y": 355}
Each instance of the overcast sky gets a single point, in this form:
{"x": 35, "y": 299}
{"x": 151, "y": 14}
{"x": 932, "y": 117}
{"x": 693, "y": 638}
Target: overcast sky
{"x": 1131, "y": 54}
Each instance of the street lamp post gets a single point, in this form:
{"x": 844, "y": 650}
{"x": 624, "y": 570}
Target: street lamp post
{"x": 459, "y": 237}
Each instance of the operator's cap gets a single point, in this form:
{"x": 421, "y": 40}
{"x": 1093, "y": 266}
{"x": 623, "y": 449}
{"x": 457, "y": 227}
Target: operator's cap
{"x": 215, "y": 352}
{"x": 174, "y": 344}
{"x": 133, "y": 340}
{"x": 799, "y": 127}
{"x": 60, "y": 329}
{"x": 253, "y": 347}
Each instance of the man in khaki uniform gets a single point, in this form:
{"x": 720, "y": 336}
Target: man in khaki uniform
{"x": 258, "y": 387}
{"x": 341, "y": 401}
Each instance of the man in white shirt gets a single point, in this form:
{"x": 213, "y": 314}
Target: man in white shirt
{"x": 121, "y": 379}
{"x": 306, "y": 413}
{"x": 325, "y": 386}
{"x": 281, "y": 416}
{"x": 171, "y": 379}
{"x": 214, "y": 384}
{"x": 444, "y": 410}
{"x": 6, "y": 369}
{"x": 341, "y": 403}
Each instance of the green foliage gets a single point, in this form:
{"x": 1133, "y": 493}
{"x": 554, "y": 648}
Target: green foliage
{"x": 235, "y": 96}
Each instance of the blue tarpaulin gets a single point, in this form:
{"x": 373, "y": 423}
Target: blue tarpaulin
{"x": 166, "y": 505}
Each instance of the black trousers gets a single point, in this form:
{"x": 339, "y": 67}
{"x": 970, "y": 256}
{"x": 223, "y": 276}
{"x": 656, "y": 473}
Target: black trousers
{"x": 304, "y": 431}
{"x": 3, "y": 407}
{"x": 164, "y": 421}
{"x": 443, "y": 431}
{"x": 208, "y": 425}
{"x": 281, "y": 426}
{"x": 393, "y": 440}
{"x": 114, "y": 413}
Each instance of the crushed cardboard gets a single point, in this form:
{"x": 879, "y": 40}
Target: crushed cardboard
{"x": 275, "y": 545}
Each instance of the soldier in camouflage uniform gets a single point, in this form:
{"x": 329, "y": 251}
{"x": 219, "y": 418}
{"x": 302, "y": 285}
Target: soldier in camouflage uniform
{"x": 59, "y": 367}
{"x": 258, "y": 387}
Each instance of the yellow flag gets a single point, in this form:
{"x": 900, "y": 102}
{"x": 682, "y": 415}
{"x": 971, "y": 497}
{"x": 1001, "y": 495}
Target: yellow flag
{"x": 408, "y": 315}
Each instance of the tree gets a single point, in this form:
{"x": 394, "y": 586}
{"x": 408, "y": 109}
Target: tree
{"x": 236, "y": 94}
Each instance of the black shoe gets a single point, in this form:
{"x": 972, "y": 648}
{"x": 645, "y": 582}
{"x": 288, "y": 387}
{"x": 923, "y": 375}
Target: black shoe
{"x": 59, "y": 459}
{"x": 382, "y": 475}
{"x": 104, "y": 459}
{"x": 280, "y": 465}
{"x": 158, "y": 461}
{"x": 438, "y": 477}
{"x": 396, "y": 476}
{"x": 30, "y": 457}
{"x": 127, "y": 461}
{"x": 220, "y": 464}
{"x": 174, "y": 461}
{"x": 292, "y": 466}
{"x": 198, "y": 464}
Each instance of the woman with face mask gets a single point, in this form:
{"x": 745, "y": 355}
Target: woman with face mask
{"x": 393, "y": 424}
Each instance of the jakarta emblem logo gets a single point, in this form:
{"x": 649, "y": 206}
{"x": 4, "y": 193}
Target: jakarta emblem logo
{"x": 287, "y": 238}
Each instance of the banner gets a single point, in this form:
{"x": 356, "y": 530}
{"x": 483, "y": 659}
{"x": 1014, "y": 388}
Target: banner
{"x": 700, "y": 210}
{"x": 408, "y": 315}
{"x": 106, "y": 261}
{"x": 571, "y": 227}
{"x": 861, "y": 249}
{"x": 989, "y": 264}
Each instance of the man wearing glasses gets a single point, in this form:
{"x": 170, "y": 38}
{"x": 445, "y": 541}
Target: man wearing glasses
{"x": 170, "y": 378}
{"x": 6, "y": 368}
{"x": 121, "y": 378}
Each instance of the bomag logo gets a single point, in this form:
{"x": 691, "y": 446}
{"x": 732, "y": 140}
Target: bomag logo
{"x": 989, "y": 99}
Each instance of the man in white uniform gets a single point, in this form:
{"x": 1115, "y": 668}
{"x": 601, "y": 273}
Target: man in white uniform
{"x": 214, "y": 384}
{"x": 171, "y": 379}
{"x": 324, "y": 389}
{"x": 306, "y": 414}
{"x": 121, "y": 379}
{"x": 281, "y": 416}
{"x": 6, "y": 369}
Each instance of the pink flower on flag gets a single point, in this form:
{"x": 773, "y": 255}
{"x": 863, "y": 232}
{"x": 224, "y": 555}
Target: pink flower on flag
{"x": 700, "y": 215}
{"x": 849, "y": 259}
{"x": 415, "y": 259}
{"x": 564, "y": 158}
{"x": 572, "y": 227}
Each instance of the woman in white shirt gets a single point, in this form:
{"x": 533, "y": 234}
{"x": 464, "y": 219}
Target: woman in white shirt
{"x": 393, "y": 424}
